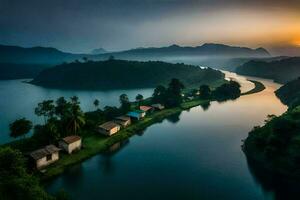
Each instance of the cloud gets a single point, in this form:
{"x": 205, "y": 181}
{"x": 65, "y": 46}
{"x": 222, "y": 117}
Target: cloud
{"x": 81, "y": 25}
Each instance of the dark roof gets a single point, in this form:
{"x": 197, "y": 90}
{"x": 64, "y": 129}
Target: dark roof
{"x": 123, "y": 118}
{"x": 40, "y": 153}
{"x": 109, "y": 125}
{"x": 71, "y": 139}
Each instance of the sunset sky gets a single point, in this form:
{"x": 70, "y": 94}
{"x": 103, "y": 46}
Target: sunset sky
{"x": 82, "y": 25}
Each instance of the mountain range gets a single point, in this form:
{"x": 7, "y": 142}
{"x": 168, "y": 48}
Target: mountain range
{"x": 208, "y": 54}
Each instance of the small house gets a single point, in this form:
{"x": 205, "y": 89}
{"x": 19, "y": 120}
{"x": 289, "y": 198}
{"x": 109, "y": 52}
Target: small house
{"x": 136, "y": 114}
{"x": 45, "y": 156}
{"x": 71, "y": 143}
{"x": 109, "y": 128}
{"x": 158, "y": 106}
{"x": 124, "y": 121}
{"x": 147, "y": 109}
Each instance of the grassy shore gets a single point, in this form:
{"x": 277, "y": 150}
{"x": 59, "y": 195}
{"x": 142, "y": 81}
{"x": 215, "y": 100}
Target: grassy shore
{"x": 258, "y": 87}
{"x": 96, "y": 143}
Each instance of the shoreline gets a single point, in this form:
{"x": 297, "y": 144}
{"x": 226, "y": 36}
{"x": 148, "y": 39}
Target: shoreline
{"x": 258, "y": 87}
{"x": 96, "y": 143}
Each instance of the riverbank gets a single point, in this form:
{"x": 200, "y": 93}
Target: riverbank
{"x": 275, "y": 147}
{"x": 258, "y": 87}
{"x": 95, "y": 143}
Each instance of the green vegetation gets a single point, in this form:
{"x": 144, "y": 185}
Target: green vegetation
{"x": 282, "y": 71}
{"x": 63, "y": 118}
{"x": 117, "y": 74}
{"x": 289, "y": 94}
{"x": 258, "y": 87}
{"x": 20, "y": 127}
{"x": 16, "y": 183}
{"x": 276, "y": 145}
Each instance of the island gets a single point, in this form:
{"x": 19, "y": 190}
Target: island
{"x": 122, "y": 74}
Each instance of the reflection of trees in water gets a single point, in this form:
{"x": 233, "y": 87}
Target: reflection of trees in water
{"x": 174, "y": 118}
{"x": 205, "y": 106}
{"x": 106, "y": 161}
{"x": 281, "y": 188}
{"x": 73, "y": 176}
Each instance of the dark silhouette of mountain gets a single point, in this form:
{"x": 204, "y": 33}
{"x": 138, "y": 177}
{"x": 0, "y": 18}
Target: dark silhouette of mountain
{"x": 282, "y": 71}
{"x": 289, "y": 93}
{"x": 117, "y": 74}
{"x": 35, "y": 55}
{"x": 212, "y": 55}
{"x": 99, "y": 51}
{"x": 204, "y": 50}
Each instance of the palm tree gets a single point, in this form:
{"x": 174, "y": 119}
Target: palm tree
{"x": 20, "y": 127}
{"x": 96, "y": 103}
{"x": 75, "y": 119}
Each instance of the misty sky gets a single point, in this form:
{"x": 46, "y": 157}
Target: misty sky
{"x": 82, "y": 25}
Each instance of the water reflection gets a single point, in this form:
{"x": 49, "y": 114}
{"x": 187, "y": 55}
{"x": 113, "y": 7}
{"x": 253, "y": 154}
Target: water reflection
{"x": 107, "y": 164}
{"x": 175, "y": 118}
{"x": 205, "y": 106}
{"x": 278, "y": 186}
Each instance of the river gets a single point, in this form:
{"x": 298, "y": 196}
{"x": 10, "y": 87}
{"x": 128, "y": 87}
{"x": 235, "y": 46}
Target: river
{"x": 194, "y": 155}
{"x": 18, "y": 99}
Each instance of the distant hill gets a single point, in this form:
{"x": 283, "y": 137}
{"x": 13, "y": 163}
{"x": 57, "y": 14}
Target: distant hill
{"x": 282, "y": 71}
{"x": 289, "y": 94}
{"x": 212, "y": 55}
{"x": 204, "y": 50}
{"x": 20, "y": 71}
{"x": 118, "y": 74}
{"x": 99, "y": 51}
{"x": 35, "y": 55}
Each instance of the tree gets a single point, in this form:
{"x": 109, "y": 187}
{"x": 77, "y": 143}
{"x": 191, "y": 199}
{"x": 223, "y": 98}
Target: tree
{"x": 51, "y": 130}
{"x": 125, "y": 104}
{"x": 205, "y": 91}
{"x": 20, "y": 127}
{"x": 139, "y": 98}
{"x": 75, "y": 100}
{"x": 174, "y": 93}
{"x": 75, "y": 118}
{"x": 111, "y": 57}
{"x": 175, "y": 87}
{"x": 227, "y": 91}
{"x": 159, "y": 94}
{"x": 85, "y": 59}
{"x": 15, "y": 182}
{"x": 61, "y": 107}
{"x": 45, "y": 109}
{"x": 96, "y": 103}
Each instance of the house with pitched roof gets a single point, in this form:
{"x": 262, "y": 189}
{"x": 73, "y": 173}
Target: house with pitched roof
{"x": 45, "y": 156}
{"x": 124, "y": 120}
{"x": 109, "y": 128}
{"x": 70, "y": 143}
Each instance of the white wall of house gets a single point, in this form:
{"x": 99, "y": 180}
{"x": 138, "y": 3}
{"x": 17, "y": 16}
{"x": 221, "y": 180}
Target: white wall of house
{"x": 74, "y": 146}
{"x": 111, "y": 131}
{"x": 70, "y": 147}
{"x": 43, "y": 162}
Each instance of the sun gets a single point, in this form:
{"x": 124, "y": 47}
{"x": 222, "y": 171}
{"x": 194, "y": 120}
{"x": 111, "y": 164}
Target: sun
{"x": 297, "y": 42}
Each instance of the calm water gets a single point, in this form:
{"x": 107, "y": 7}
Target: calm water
{"x": 194, "y": 155}
{"x": 18, "y": 99}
